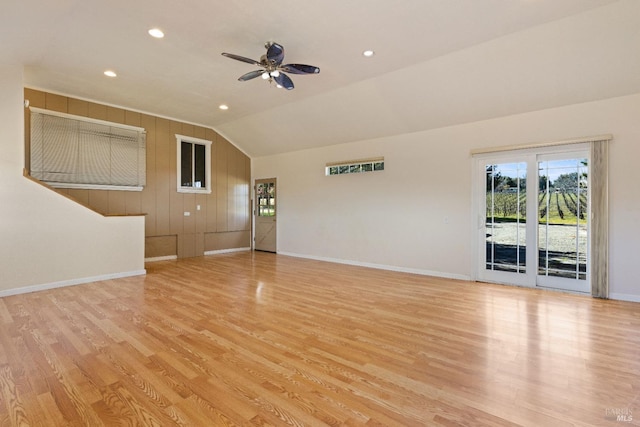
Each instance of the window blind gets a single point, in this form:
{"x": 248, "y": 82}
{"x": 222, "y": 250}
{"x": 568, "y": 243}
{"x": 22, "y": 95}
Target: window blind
{"x": 77, "y": 152}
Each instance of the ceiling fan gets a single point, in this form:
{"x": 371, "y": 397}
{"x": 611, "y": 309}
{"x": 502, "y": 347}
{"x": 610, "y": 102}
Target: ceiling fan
{"x": 272, "y": 67}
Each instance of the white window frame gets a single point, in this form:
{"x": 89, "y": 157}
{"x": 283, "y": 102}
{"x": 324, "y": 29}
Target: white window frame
{"x": 198, "y": 141}
{"x": 355, "y": 166}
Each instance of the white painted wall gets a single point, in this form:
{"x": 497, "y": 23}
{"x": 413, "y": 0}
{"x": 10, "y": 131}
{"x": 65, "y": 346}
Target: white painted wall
{"x": 47, "y": 240}
{"x": 416, "y": 215}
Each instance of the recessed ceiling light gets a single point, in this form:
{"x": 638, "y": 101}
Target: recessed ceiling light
{"x": 156, "y": 32}
{"x": 223, "y": 107}
{"x": 110, "y": 73}
{"x": 368, "y": 53}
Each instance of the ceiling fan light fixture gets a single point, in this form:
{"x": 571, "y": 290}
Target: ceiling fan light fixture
{"x": 110, "y": 73}
{"x": 368, "y": 53}
{"x": 223, "y": 107}
{"x": 271, "y": 67}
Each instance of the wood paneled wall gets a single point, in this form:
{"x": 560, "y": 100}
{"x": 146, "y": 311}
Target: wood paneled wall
{"x": 224, "y": 218}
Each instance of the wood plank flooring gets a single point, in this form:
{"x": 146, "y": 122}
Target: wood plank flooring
{"x": 258, "y": 339}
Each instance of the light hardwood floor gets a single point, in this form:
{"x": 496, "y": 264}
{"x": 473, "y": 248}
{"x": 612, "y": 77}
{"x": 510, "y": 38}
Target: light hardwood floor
{"x": 263, "y": 339}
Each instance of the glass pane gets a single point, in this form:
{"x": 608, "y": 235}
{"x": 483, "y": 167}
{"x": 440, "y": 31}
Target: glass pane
{"x": 185, "y": 167}
{"x": 265, "y": 194}
{"x": 354, "y": 168}
{"x": 506, "y": 217}
{"x": 562, "y": 222}
{"x": 379, "y": 166}
{"x": 367, "y": 167}
{"x": 200, "y": 166}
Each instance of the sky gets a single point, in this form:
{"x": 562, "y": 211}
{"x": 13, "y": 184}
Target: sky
{"x": 551, "y": 168}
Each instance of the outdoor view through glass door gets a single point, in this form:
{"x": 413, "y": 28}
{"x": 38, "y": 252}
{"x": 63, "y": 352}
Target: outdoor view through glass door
{"x": 563, "y": 229}
{"x": 552, "y": 249}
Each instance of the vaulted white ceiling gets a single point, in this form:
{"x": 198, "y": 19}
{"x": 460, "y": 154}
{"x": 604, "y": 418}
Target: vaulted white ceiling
{"x": 437, "y": 62}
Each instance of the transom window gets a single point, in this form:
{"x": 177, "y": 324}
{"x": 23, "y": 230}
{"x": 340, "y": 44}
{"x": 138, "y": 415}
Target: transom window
{"x": 194, "y": 164}
{"x": 355, "y": 166}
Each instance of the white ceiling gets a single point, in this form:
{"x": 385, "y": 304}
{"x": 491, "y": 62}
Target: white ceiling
{"x": 437, "y": 62}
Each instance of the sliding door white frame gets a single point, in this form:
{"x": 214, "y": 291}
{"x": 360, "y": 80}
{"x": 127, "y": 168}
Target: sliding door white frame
{"x": 597, "y": 241}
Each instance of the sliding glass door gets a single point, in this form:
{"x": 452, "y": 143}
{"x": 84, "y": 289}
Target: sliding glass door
{"x": 533, "y": 219}
{"x": 563, "y": 229}
{"x": 506, "y": 217}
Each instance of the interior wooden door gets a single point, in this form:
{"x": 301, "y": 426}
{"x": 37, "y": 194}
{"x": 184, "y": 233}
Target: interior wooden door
{"x": 266, "y": 214}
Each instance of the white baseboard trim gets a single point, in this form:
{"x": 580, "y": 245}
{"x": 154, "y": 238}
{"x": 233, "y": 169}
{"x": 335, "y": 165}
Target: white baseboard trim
{"x": 161, "y": 258}
{"x": 72, "y": 282}
{"x": 625, "y": 297}
{"x": 382, "y": 266}
{"x": 227, "y": 251}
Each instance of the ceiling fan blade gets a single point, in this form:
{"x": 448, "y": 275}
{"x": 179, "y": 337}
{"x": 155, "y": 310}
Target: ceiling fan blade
{"x": 250, "y": 75}
{"x": 284, "y": 81}
{"x": 241, "y": 58}
{"x": 275, "y": 53}
{"x": 300, "y": 69}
